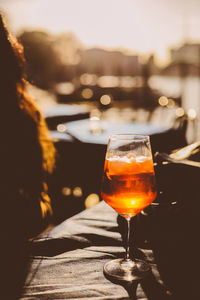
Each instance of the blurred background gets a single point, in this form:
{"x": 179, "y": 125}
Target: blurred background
{"x": 101, "y": 61}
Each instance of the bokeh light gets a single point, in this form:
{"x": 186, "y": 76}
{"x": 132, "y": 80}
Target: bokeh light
{"x": 88, "y": 79}
{"x": 87, "y": 93}
{"x": 192, "y": 114}
{"x": 163, "y": 101}
{"x": 77, "y": 192}
{"x": 66, "y": 191}
{"x": 105, "y": 99}
{"x": 180, "y": 112}
{"x": 61, "y": 128}
{"x": 91, "y": 200}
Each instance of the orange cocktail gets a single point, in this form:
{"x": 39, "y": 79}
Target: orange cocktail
{"x": 128, "y": 183}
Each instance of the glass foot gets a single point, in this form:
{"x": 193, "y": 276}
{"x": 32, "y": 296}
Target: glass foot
{"x": 126, "y": 270}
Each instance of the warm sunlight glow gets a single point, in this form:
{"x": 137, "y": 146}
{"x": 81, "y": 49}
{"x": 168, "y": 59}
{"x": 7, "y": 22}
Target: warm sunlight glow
{"x": 138, "y": 26}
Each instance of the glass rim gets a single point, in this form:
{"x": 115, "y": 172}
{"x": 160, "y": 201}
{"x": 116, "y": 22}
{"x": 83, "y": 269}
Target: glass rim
{"x": 129, "y": 136}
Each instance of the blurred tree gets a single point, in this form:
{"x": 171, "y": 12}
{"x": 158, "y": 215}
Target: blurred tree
{"x": 42, "y": 59}
{"x": 50, "y": 58}
{"x": 68, "y": 48}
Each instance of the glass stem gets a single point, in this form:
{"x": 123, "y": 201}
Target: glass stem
{"x": 127, "y": 256}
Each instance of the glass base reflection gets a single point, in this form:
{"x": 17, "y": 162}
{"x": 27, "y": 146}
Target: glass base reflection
{"x": 126, "y": 270}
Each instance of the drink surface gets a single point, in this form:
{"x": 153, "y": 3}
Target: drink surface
{"x": 128, "y": 183}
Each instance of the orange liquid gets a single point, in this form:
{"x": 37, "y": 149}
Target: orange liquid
{"x": 128, "y": 184}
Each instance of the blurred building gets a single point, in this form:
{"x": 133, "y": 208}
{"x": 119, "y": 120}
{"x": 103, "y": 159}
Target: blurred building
{"x": 103, "y": 62}
{"x": 185, "y": 61}
{"x": 188, "y": 53}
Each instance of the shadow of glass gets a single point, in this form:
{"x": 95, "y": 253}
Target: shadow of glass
{"x": 149, "y": 288}
{"x": 153, "y": 289}
{"x": 130, "y": 287}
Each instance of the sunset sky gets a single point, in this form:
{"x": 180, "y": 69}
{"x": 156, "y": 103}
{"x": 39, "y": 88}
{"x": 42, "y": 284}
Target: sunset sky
{"x": 142, "y": 26}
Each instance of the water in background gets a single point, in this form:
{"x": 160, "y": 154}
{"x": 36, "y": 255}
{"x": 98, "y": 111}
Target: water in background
{"x": 188, "y": 88}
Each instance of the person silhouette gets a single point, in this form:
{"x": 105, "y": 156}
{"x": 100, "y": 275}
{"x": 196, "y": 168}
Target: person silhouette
{"x": 27, "y": 158}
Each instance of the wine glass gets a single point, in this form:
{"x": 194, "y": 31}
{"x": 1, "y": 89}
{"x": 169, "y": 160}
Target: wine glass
{"x": 128, "y": 186}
